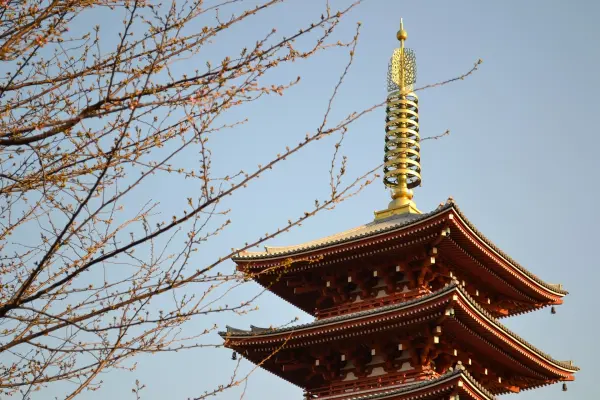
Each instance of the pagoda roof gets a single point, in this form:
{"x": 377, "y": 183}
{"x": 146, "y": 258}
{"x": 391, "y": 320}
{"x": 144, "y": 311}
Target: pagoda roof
{"x": 374, "y": 228}
{"x": 257, "y": 336}
{"x": 436, "y": 386}
{"x": 391, "y": 225}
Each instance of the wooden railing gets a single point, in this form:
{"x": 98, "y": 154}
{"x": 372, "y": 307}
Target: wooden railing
{"x": 368, "y": 304}
{"x": 376, "y": 382}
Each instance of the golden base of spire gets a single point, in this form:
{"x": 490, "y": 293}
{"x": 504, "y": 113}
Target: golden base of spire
{"x": 401, "y": 204}
{"x": 409, "y": 208}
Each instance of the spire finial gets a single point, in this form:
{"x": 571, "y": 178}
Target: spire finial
{"x": 402, "y": 167}
{"x": 402, "y": 35}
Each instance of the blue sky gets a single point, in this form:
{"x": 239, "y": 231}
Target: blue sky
{"x": 521, "y": 162}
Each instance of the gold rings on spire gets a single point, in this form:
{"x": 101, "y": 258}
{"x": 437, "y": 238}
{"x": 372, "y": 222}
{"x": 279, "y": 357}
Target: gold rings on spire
{"x": 402, "y": 166}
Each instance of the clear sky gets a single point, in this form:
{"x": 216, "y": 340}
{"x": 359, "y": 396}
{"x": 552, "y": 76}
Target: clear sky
{"x": 521, "y": 162}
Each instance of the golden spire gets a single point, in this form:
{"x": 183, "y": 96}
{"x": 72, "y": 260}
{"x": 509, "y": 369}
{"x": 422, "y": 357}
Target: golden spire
{"x": 402, "y": 167}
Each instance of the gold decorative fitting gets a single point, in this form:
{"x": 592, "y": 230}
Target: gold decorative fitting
{"x": 402, "y": 35}
{"x": 402, "y": 160}
{"x": 402, "y": 71}
{"x": 402, "y": 167}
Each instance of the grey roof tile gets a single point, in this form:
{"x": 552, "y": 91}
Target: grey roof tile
{"x": 372, "y": 228}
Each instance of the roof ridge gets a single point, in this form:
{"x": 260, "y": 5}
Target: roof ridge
{"x": 403, "y": 221}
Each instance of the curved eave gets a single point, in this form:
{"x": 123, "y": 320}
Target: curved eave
{"x": 510, "y": 337}
{"x": 506, "y": 260}
{"x": 450, "y": 294}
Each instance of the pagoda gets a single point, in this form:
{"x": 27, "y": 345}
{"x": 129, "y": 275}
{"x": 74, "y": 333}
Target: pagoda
{"x": 406, "y": 306}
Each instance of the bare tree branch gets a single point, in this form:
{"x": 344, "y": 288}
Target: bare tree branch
{"x": 90, "y": 117}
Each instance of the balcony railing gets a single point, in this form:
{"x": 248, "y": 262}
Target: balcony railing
{"x": 377, "y": 382}
{"x": 369, "y": 304}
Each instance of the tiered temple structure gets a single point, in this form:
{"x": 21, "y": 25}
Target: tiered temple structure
{"x": 407, "y": 306}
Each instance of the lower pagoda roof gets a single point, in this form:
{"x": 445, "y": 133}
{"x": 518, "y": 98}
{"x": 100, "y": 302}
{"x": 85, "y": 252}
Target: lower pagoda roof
{"x": 464, "y": 319}
{"x": 456, "y": 380}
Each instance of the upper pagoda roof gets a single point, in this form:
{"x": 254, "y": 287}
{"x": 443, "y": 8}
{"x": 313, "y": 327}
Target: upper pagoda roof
{"x": 256, "y": 336}
{"x": 374, "y": 228}
{"x": 384, "y": 227}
